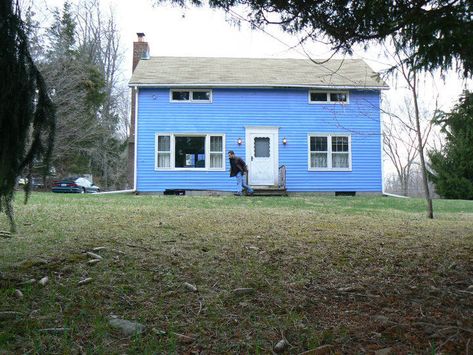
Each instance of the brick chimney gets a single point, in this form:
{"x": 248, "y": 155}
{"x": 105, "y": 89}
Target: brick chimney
{"x": 140, "y": 51}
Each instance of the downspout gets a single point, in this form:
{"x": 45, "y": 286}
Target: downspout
{"x": 382, "y": 143}
{"x": 136, "y": 138}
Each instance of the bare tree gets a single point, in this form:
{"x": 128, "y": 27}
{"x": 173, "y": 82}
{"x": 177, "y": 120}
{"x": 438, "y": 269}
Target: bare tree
{"x": 415, "y": 188}
{"x": 400, "y": 140}
{"x": 99, "y": 41}
{"x": 410, "y": 75}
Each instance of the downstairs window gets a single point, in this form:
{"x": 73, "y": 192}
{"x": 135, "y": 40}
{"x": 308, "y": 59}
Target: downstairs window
{"x": 330, "y": 152}
{"x": 190, "y": 151}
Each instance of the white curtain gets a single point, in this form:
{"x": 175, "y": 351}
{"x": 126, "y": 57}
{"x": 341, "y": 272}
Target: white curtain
{"x": 216, "y": 144}
{"x": 164, "y": 143}
{"x": 216, "y": 152}
{"x": 318, "y": 160}
{"x": 340, "y": 160}
{"x": 216, "y": 160}
{"x": 164, "y": 160}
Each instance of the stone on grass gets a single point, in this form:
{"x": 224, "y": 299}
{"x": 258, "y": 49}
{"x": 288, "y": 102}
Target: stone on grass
{"x": 281, "y": 346}
{"x": 18, "y": 294}
{"x": 84, "y": 281}
{"x": 118, "y": 251}
{"x": 348, "y": 289}
{"x": 93, "y": 255}
{"x": 243, "y": 291}
{"x": 190, "y": 287}
{"x": 93, "y": 261}
{"x": 126, "y": 327}
{"x": 43, "y": 281}
{"x": 158, "y": 332}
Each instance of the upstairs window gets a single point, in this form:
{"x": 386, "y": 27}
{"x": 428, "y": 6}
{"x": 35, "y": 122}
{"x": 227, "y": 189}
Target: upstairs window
{"x": 203, "y": 95}
{"x": 316, "y": 97}
{"x": 197, "y": 96}
{"x": 180, "y": 95}
{"x": 329, "y": 152}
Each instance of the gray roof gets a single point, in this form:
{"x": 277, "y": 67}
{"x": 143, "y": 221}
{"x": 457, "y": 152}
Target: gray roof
{"x": 254, "y": 72}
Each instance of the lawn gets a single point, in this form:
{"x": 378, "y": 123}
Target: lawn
{"x": 353, "y": 274}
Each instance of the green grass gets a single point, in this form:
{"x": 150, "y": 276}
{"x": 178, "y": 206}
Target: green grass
{"x": 296, "y": 253}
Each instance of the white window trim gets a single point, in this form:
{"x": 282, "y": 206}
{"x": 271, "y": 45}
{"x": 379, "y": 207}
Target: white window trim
{"x": 156, "y": 152}
{"x": 328, "y": 92}
{"x": 173, "y": 151}
{"x": 191, "y": 100}
{"x": 329, "y": 151}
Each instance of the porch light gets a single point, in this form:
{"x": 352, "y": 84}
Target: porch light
{"x": 284, "y": 141}
{"x": 239, "y": 141}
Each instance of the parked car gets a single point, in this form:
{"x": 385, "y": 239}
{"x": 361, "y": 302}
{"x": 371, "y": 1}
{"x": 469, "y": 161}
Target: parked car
{"x": 75, "y": 184}
{"x": 36, "y": 183}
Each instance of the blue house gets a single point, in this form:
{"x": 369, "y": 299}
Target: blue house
{"x": 299, "y": 124}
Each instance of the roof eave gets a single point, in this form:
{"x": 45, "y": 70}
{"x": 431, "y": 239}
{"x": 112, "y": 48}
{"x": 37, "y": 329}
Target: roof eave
{"x": 308, "y": 86}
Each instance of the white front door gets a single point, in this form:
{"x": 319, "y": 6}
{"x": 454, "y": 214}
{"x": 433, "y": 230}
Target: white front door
{"x": 262, "y": 156}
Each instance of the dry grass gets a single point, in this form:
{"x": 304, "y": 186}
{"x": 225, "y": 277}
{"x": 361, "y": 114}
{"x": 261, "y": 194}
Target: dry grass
{"x": 359, "y": 273}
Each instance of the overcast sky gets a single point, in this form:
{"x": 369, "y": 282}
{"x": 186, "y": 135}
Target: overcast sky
{"x": 173, "y": 31}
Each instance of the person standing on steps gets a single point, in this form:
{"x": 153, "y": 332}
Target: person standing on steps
{"x": 238, "y": 169}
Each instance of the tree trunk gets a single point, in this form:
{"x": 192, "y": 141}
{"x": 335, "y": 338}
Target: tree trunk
{"x": 430, "y": 211}
{"x": 404, "y": 186}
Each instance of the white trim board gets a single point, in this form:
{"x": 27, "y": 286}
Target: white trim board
{"x": 257, "y": 86}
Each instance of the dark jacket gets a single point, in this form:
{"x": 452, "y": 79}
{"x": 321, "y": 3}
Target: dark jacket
{"x": 237, "y": 165}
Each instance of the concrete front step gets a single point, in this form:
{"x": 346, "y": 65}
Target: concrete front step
{"x": 270, "y": 192}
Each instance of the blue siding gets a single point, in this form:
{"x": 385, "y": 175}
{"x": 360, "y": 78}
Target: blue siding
{"x": 233, "y": 109}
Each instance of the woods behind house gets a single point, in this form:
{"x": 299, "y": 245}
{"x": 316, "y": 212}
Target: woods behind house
{"x": 80, "y": 56}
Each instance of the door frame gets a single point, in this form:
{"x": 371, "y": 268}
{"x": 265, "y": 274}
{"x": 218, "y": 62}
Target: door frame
{"x": 269, "y": 130}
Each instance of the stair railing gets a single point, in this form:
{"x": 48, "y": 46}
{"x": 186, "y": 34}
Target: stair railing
{"x": 282, "y": 177}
